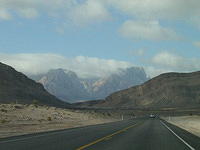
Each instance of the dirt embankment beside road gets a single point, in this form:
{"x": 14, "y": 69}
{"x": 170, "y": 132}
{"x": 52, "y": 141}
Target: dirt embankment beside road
{"x": 23, "y": 119}
{"x": 189, "y": 123}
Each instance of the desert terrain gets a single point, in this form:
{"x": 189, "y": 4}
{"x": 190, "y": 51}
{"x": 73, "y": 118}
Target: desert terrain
{"x": 189, "y": 123}
{"x": 18, "y": 119}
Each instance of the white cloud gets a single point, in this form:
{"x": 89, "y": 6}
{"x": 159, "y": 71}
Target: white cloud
{"x": 153, "y": 71}
{"x": 157, "y": 9}
{"x": 4, "y": 14}
{"x": 95, "y": 67}
{"x": 79, "y": 12}
{"x": 83, "y": 66}
{"x": 173, "y": 62}
{"x": 84, "y": 12}
{"x": 164, "y": 62}
{"x": 90, "y": 11}
{"x": 32, "y": 8}
{"x": 167, "y": 59}
{"x": 197, "y": 44}
{"x": 28, "y": 12}
{"x": 147, "y": 30}
{"x": 33, "y": 63}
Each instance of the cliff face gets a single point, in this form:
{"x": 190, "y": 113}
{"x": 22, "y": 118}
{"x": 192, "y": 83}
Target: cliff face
{"x": 166, "y": 90}
{"x": 123, "y": 79}
{"x": 66, "y": 85}
{"x": 15, "y": 86}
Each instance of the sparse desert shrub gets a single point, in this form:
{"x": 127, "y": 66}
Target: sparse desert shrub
{"x": 3, "y": 121}
{"x": 35, "y": 103}
{"x": 12, "y": 103}
{"x": 17, "y": 107}
{"x": 49, "y": 119}
{"x": 4, "y": 110}
{"x": 40, "y": 120}
{"x": 190, "y": 114}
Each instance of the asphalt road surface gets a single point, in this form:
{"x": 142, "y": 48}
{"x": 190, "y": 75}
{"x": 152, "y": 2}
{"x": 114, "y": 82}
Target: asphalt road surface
{"x": 135, "y": 134}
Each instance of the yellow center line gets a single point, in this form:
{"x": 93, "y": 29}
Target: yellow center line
{"x": 106, "y": 137}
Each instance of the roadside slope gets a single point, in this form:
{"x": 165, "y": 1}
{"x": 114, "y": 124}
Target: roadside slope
{"x": 18, "y": 119}
{"x": 189, "y": 123}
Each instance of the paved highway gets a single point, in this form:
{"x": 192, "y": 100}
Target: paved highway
{"x": 137, "y": 134}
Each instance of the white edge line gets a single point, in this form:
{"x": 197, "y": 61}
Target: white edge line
{"x": 177, "y": 136}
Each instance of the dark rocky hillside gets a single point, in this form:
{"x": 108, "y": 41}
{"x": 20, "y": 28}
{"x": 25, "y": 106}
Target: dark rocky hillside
{"x": 167, "y": 90}
{"x": 16, "y": 87}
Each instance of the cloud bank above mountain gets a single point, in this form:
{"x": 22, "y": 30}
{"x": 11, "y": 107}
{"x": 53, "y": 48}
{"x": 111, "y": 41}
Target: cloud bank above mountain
{"x": 92, "y": 67}
{"x": 84, "y": 66}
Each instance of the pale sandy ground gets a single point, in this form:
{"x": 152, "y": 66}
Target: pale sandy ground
{"x": 189, "y": 123}
{"x": 16, "y": 119}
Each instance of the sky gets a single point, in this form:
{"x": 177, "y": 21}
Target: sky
{"x": 96, "y": 37}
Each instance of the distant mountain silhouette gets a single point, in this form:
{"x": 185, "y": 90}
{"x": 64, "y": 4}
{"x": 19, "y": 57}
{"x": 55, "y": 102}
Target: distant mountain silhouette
{"x": 66, "y": 85}
{"x": 16, "y": 87}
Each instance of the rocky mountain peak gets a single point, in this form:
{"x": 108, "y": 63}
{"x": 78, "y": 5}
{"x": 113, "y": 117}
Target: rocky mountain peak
{"x": 68, "y": 86}
{"x": 61, "y": 73}
{"x": 64, "y": 84}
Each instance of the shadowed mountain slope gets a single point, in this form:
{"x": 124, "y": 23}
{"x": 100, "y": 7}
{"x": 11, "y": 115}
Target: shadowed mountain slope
{"x": 166, "y": 90}
{"x": 16, "y": 87}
